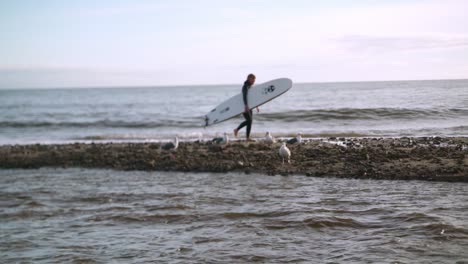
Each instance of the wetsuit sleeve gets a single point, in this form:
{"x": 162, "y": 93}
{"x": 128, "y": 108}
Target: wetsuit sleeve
{"x": 245, "y": 90}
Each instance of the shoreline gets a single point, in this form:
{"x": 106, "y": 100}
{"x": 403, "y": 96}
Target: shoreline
{"x": 419, "y": 158}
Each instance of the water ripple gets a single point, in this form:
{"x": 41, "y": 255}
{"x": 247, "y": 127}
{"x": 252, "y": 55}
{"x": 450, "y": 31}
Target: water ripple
{"x": 102, "y": 216}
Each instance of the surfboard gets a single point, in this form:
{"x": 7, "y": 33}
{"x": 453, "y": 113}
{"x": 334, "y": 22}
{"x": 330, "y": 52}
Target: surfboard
{"x": 258, "y": 95}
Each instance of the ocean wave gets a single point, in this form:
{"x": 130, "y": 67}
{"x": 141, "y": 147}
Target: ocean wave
{"x": 205, "y": 136}
{"x": 316, "y": 115}
{"x": 363, "y": 114}
{"x": 100, "y": 124}
{"x": 142, "y": 137}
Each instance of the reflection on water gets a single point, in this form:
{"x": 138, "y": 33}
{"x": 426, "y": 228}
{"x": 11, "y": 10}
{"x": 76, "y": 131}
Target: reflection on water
{"x": 110, "y": 216}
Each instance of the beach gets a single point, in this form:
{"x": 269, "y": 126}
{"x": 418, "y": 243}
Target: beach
{"x": 423, "y": 158}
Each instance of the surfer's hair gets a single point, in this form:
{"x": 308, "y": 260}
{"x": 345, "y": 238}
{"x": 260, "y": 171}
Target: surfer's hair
{"x": 251, "y": 75}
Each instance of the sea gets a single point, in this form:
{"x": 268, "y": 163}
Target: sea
{"x": 105, "y": 216}
{"x": 80, "y": 215}
{"x": 359, "y": 109}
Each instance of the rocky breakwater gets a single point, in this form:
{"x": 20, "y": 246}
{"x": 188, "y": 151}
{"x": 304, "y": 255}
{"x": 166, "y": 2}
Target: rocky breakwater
{"x": 434, "y": 158}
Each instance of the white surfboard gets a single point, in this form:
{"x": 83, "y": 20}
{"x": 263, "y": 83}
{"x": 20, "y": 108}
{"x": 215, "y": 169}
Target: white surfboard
{"x": 258, "y": 94}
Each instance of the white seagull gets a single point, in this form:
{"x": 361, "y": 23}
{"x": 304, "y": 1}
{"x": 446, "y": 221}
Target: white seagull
{"x": 296, "y": 140}
{"x": 221, "y": 140}
{"x": 269, "y": 138}
{"x": 285, "y": 153}
{"x": 171, "y": 145}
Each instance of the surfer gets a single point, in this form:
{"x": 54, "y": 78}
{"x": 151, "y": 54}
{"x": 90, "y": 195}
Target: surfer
{"x": 247, "y": 112}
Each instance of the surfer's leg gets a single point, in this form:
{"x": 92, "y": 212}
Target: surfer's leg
{"x": 243, "y": 124}
{"x": 248, "y": 119}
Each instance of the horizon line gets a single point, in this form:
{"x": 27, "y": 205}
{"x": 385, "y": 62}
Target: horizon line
{"x": 219, "y": 84}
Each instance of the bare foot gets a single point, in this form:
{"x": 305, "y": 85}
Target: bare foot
{"x": 250, "y": 140}
{"x": 235, "y": 132}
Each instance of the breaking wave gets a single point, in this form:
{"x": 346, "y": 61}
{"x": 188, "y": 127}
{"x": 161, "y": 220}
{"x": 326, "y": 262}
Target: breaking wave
{"x": 364, "y": 114}
{"x": 349, "y": 114}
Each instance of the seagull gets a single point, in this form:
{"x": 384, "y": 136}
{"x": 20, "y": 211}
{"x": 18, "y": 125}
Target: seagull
{"x": 284, "y": 152}
{"x": 171, "y": 145}
{"x": 269, "y": 138}
{"x": 221, "y": 140}
{"x": 296, "y": 140}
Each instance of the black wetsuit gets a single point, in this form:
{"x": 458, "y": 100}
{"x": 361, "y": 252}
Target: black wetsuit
{"x": 247, "y": 115}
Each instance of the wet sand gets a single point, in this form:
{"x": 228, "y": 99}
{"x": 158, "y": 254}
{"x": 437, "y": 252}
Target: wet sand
{"x": 425, "y": 158}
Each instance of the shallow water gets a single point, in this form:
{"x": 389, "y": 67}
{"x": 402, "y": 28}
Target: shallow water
{"x": 102, "y": 216}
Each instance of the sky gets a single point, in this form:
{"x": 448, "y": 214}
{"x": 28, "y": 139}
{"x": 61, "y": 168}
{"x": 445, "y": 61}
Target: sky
{"x": 88, "y": 43}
